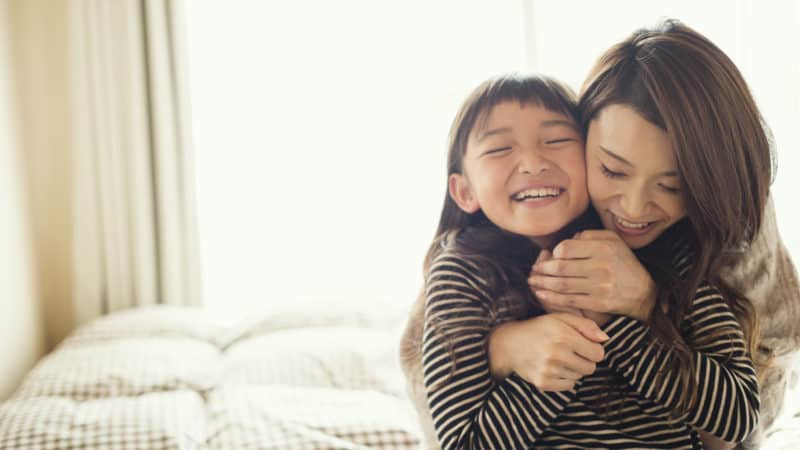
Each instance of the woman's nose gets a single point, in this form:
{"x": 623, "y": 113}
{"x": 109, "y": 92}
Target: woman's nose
{"x": 634, "y": 204}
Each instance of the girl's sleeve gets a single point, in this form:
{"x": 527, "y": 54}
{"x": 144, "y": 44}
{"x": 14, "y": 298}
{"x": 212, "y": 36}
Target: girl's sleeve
{"x": 727, "y": 388}
{"x": 471, "y": 410}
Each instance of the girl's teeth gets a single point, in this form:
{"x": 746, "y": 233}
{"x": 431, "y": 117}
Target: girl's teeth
{"x": 627, "y": 224}
{"x": 537, "y": 193}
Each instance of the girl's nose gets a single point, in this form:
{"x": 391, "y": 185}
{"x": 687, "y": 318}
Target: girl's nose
{"x": 531, "y": 162}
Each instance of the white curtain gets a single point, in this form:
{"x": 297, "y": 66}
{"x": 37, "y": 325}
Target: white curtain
{"x": 134, "y": 234}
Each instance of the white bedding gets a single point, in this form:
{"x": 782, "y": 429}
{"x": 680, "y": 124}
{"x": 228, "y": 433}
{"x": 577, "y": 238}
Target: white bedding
{"x": 173, "y": 378}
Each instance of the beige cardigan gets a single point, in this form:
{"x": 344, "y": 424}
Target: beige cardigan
{"x": 765, "y": 274}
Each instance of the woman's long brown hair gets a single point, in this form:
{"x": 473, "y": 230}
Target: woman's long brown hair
{"x": 681, "y": 82}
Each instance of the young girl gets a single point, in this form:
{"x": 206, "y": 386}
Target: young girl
{"x": 651, "y": 371}
{"x": 516, "y": 180}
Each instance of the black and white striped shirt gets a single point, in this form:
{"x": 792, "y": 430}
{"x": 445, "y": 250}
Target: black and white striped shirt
{"x": 472, "y": 410}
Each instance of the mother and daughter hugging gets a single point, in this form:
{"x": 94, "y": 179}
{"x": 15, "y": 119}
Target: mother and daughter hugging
{"x": 606, "y": 272}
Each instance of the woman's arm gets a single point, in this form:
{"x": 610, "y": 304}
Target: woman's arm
{"x": 727, "y": 389}
{"x": 469, "y": 408}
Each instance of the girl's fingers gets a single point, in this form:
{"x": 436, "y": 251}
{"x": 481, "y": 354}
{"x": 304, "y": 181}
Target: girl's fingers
{"x": 585, "y": 326}
{"x": 555, "y": 384}
{"x": 566, "y": 373}
{"x": 577, "y": 365}
{"x": 581, "y": 351}
{"x": 589, "y": 351}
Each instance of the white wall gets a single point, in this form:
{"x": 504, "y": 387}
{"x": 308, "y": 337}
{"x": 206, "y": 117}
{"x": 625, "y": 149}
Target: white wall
{"x": 21, "y": 325}
{"x": 320, "y": 127}
{"x": 320, "y": 131}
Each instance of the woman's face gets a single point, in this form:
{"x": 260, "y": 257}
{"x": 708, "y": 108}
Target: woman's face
{"x": 632, "y": 174}
{"x": 525, "y": 169}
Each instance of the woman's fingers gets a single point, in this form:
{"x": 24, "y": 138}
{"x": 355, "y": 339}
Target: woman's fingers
{"x": 558, "y": 301}
{"x": 574, "y": 268}
{"x": 581, "y": 248}
{"x": 544, "y": 255}
{"x": 555, "y": 308}
{"x": 597, "y": 235}
{"x": 561, "y": 284}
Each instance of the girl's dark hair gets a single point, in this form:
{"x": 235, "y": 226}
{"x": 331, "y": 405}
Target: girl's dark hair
{"x": 503, "y": 259}
{"x": 681, "y": 82}
{"x": 533, "y": 89}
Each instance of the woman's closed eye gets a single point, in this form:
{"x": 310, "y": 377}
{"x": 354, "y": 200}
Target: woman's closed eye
{"x": 670, "y": 189}
{"x": 610, "y": 173}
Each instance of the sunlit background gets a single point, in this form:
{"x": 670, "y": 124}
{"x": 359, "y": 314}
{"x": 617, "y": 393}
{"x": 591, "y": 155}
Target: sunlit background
{"x": 320, "y": 127}
{"x": 169, "y": 167}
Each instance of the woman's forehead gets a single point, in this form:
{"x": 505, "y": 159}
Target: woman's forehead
{"x": 622, "y": 133}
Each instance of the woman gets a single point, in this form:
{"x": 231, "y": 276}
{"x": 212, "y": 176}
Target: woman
{"x": 626, "y": 288}
{"x": 718, "y": 109}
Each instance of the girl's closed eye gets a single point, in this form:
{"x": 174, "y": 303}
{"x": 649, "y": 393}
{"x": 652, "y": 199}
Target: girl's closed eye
{"x": 559, "y": 141}
{"x": 496, "y": 151}
{"x": 610, "y": 173}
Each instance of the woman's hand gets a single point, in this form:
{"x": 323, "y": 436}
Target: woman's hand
{"x": 599, "y": 318}
{"x": 594, "y": 272}
{"x": 551, "y": 351}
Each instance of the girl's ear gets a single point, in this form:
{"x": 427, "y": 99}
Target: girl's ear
{"x": 461, "y": 193}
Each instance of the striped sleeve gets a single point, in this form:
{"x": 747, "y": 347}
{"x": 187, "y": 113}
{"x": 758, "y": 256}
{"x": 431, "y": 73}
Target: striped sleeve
{"x": 727, "y": 403}
{"x": 471, "y": 410}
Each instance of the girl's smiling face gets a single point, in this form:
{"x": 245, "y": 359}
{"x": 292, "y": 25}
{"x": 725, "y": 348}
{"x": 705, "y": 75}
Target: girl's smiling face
{"x": 524, "y": 168}
{"x": 633, "y": 176}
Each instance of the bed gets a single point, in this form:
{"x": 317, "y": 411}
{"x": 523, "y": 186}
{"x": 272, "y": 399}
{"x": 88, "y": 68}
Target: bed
{"x": 176, "y": 378}
{"x": 164, "y": 378}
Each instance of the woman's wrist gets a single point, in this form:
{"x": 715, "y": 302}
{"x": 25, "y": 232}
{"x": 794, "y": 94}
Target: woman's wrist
{"x": 647, "y": 303}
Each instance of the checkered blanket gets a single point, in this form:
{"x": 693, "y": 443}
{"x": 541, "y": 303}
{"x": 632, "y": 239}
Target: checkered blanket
{"x": 785, "y": 432}
{"x": 173, "y": 378}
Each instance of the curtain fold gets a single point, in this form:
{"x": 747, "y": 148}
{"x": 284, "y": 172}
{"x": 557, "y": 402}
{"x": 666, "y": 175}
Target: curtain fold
{"x": 135, "y": 238}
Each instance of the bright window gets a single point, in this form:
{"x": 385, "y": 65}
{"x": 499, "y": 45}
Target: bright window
{"x": 320, "y": 126}
{"x": 320, "y": 131}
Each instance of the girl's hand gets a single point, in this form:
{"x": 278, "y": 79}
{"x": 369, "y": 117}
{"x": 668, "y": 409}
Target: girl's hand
{"x": 599, "y": 318}
{"x": 595, "y": 271}
{"x": 551, "y": 352}
{"x": 712, "y": 442}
